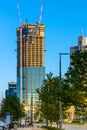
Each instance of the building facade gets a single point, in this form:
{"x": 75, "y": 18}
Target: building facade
{"x": 12, "y": 89}
{"x": 30, "y": 61}
{"x": 82, "y": 45}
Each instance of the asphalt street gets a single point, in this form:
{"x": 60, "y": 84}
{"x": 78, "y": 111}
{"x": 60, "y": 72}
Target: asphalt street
{"x": 65, "y": 126}
{"x": 30, "y": 128}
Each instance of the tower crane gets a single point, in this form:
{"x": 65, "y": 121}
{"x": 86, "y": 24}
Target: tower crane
{"x": 36, "y": 29}
{"x": 39, "y": 20}
{"x": 19, "y": 14}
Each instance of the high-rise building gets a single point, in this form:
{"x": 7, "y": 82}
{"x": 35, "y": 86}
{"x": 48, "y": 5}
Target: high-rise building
{"x": 30, "y": 61}
{"x": 82, "y": 45}
{"x": 12, "y": 89}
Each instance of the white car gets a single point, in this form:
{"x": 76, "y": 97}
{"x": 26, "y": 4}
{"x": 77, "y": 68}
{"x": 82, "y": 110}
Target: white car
{"x": 3, "y": 125}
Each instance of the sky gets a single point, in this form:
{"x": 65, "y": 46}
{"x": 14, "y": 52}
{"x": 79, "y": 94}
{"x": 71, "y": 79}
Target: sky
{"x": 63, "y": 20}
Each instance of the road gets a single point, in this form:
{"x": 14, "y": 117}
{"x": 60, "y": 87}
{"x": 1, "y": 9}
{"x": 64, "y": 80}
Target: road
{"x": 65, "y": 126}
{"x": 30, "y": 128}
{"x": 35, "y": 127}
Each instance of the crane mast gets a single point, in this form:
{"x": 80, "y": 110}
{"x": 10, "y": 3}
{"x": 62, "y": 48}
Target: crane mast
{"x": 41, "y": 9}
{"x": 19, "y": 13}
{"x": 40, "y": 18}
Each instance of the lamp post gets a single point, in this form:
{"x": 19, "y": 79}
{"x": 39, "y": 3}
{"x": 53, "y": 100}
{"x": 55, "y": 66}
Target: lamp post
{"x": 32, "y": 104}
{"x": 31, "y": 109}
{"x": 60, "y": 85}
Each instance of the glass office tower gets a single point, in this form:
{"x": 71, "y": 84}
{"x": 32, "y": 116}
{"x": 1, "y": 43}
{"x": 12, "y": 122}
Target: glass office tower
{"x": 30, "y": 60}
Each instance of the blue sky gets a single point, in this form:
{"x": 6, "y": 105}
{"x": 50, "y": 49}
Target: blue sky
{"x": 63, "y": 21}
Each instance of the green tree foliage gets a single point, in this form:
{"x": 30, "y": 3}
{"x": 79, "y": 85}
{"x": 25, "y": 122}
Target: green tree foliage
{"x": 11, "y": 104}
{"x": 73, "y": 92}
{"x": 49, "y": 95}
{"x": 76, "y": 81}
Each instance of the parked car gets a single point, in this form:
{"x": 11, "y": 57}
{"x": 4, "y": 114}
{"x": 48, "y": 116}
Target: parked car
{"x": 3, "y": 125}
{"x": 1, "y": 128}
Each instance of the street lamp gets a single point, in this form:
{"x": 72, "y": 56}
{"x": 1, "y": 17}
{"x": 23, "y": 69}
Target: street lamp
{"x": 32, "y": 104}
{"x": 60, "y": 85}
{"x": 31, "y": 109}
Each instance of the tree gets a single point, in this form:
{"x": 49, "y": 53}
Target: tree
{"x": 76, "y": 81}
{"x": 50, "y": 95}
{"x": 11, "y": 104}
{"x": 44, "y": 96}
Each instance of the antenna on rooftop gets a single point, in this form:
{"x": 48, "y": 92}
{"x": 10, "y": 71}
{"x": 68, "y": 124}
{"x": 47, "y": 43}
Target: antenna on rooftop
{"x": 19, "y": 14}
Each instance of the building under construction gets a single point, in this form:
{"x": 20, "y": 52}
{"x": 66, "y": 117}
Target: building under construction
{"x": 30, "y": 62}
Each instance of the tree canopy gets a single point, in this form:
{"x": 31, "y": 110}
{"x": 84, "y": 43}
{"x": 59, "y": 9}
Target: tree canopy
{"x": 73, "y": 92}
{"x": 11, "y": 104}
{"x": 49, "y": 95}
{"x": 76, "y": 79}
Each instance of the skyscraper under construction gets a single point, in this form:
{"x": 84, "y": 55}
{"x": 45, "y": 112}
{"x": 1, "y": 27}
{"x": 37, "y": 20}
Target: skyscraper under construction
{"x": 30, "y": 60}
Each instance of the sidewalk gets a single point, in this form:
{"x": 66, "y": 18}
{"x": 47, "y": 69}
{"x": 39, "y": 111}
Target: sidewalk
{"x": 30, "y": 128}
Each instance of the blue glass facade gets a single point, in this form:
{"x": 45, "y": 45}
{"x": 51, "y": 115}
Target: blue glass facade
{"x": 31, "y": 78}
